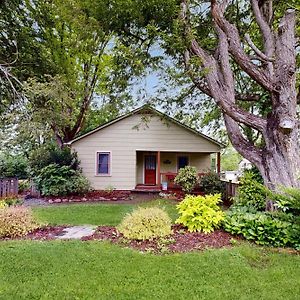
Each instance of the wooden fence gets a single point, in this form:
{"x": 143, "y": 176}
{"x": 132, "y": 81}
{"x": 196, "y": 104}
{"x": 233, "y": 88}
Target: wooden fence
{"x": 34, "y": 192}
{"x": 8, "y": 187}
{"x": 230, "y": 189}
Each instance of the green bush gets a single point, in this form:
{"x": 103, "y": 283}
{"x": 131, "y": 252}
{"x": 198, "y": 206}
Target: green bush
{"x": 50, "y": 154}
{"x": 287, "y": 199}
{"x": 12, "y": 200}
{"x": 264, "y": 228}
{"x": 13, "y": 166}
{"x": 24, "y": 185}
{"x": 187, "y": 178}
{"x": 251, "y": 193}
{"x": 16, "y": 221}
{"x": 146, "y": 224}
{"x": 211, "y": 184}
{"x": 55, "y": 180}
{"x": 200, "y": 213}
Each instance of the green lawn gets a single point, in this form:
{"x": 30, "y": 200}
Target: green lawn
{"x": 94, "y": 213}
{"x": 98, "y": 270}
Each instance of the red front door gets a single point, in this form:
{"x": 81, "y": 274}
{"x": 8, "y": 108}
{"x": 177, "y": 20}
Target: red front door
{"x": 150, "y": 169}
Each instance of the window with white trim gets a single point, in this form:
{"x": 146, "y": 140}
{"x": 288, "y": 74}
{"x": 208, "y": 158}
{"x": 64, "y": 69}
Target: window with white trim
{"x": 103, "y": 163}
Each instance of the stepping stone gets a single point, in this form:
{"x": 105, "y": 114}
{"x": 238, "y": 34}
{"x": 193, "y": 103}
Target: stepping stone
{"x": 76, "y": 232}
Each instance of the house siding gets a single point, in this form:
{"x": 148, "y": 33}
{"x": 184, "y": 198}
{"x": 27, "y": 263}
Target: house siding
{"x": 129, "y": 135}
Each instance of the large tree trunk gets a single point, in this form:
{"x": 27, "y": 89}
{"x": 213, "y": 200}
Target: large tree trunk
{"x": 278, "y": 159}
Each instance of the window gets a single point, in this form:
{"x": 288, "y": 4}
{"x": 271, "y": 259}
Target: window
{"x": 183, "y": 161}
{"x": 103, "y": 163}
{"x": 213, "y": 164}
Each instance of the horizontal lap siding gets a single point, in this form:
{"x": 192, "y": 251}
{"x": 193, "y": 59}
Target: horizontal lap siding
{"x": 123, "y": 140}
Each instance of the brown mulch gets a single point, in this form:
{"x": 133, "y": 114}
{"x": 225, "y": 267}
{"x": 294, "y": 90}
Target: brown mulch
{"x": 93, "y": 196}
{"x": 45, "y": 233}
{"x": 180, "y": 241}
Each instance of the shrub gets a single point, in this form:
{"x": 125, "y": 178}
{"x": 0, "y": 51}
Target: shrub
{"x": 3, "y": 204}
{"x": 251, "y": 193}
{"x": 211, "y": 184}
{"x": 11, "y": 201}
{"x": 13, "y": 166}
{"x": 146, "y": 224}
{"x": 24, "y": 185}
{"x": 200, "y": 213}
{"x": 55, "y": 180}
{"x": 49, "y": 154}
{"x": 287, "y": 199}
{"x": 264, "y": 228}
{"x": 16, "y": 221}
{"x": 187, "y": 178}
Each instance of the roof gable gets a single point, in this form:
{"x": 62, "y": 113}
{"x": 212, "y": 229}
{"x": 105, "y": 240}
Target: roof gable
{"x": 147, "y": 109}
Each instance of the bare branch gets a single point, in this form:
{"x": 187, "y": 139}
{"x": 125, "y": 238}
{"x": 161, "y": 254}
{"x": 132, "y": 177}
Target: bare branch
{"x": 10, "y": 78}
{"x": 260, "y": 54}
{"x": 220, "y": 78}
{"x": 236, "y": 50}
{"x": 246, "y": 148}
{"x": 269, "y": 41}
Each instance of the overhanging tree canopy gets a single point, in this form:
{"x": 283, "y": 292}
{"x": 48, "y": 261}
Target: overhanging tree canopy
{"x": 271, "y": 66}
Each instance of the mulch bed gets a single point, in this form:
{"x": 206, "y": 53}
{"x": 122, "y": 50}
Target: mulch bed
{"x": 45, "y": 233}
{"x": 92, "y": 196}
{"x": 180, "y": 241}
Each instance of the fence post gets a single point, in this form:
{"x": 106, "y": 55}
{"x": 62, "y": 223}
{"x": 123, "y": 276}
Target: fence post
{"x": 9, "y": 187}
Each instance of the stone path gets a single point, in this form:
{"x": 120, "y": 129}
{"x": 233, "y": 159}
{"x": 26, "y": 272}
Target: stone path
{"x": 76, "y": 232}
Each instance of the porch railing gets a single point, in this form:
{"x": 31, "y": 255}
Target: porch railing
{"x": 170, "y": 176}
{"x": 231, "y": 189}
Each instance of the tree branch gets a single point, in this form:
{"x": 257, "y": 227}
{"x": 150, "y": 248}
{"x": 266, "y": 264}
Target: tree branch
{"x": 243, "y": 146}
{"x": 268, "y": 37}
{"x": 220, "y": 78}
{"x": 236, "y": 50}
{"x": 260, "y": 54}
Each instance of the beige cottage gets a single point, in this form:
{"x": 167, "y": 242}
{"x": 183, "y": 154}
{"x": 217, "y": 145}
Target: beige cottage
{"x": 143, "y": 150}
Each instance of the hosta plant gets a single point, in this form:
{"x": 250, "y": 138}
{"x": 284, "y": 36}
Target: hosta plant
{"x": 275, "y": 229}
{"x": 146, "y": 224}
{"x": 200, "y": 213}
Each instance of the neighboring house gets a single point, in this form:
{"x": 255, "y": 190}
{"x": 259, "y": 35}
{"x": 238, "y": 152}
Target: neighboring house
{"x": 244, "y": 164}
{"x": 141, "y": 150}
{"x": 230, "y": 176}
{"x": 234, "y": 176}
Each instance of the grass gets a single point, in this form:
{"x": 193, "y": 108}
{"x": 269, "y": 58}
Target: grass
{"x": 94, "y": 213}
{"x": 100, "y": 270}
{"x": 97, "y": 270}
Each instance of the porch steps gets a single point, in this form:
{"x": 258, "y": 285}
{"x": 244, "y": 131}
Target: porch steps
{"x": 147, "y": 188}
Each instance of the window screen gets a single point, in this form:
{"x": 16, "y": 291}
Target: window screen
{"x": 103, "y": 163}
{"x": 183, "y": 161}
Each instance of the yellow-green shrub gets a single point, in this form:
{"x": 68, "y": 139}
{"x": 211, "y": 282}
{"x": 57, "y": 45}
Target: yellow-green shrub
{"x": 2, "y": 204}
{"x": 200, "y": 213}
{"x": 16, "y": 221}
{"x": 146, "y": 224}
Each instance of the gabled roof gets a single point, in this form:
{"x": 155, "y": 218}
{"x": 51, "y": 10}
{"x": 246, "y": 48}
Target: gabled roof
{"x": 147, "y": 108}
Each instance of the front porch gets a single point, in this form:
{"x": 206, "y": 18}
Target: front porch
{"x": 156, "y": 170}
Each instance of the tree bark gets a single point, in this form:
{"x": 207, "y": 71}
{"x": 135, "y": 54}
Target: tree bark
{"x": 278, "y": 160}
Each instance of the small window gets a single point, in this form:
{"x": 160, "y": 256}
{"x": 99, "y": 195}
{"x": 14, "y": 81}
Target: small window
{"x": 213, "y": 164}
{"x": 103, "y": 163}
{"x": 183, "y": 161}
